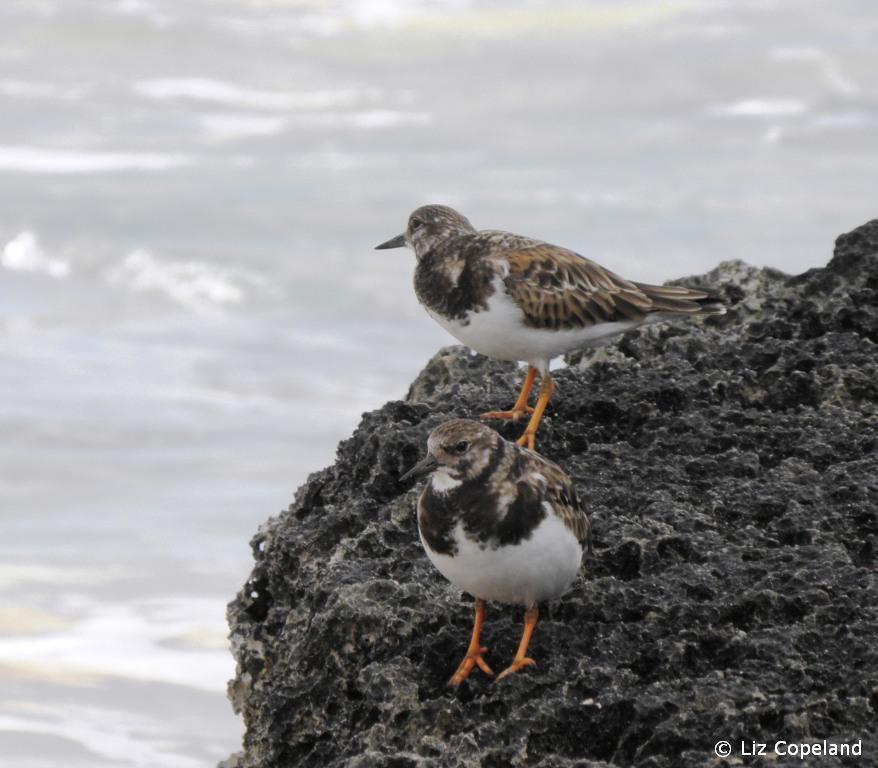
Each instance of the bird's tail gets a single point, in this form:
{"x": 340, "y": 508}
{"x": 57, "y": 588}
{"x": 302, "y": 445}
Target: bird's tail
{"x": 680, "y": 300}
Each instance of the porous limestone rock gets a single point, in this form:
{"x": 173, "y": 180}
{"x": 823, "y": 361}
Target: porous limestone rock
{"x": 729, "y": 470}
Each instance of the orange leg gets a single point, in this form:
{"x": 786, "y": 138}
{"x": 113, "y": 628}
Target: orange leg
{"x": 474, "y": 653}
{"x": 546, "y": 390}
{"x": 520, "y": 660}
{"x": 521, "y": 407}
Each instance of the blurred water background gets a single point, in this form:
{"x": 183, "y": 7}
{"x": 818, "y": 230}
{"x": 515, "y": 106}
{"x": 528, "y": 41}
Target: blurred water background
{"x": 191, "y": 313}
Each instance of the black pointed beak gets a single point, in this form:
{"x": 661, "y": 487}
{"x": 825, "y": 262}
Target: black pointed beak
{"x": 423, "y": 467}
{"x": 394, "y": 242}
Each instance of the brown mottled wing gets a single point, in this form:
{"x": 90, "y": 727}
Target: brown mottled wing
{"x": 557, "y": 288}
{"x": 560, "y": 492}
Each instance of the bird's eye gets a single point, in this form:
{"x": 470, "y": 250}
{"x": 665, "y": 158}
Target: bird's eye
{"x": 415, "y": 223}
{"x": 460, "y": 447}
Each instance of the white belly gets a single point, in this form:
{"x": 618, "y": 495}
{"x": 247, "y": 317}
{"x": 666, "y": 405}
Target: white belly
{"x": 500, "y": 332}
{"x": 541, "y": 568}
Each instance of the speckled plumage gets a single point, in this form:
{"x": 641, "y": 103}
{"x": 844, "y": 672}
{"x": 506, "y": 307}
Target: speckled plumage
{"x": 460, "y": 269}
{"x": 515, "y": 298}
{"x": 486, "y": 494}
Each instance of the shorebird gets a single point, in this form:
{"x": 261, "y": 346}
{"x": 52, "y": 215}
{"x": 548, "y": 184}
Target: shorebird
{"x": 500, "y": 522}
{"x": 515, "y": 298}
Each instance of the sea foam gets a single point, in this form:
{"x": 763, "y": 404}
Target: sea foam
{"x": 194, "y": 284}
{"x": 24, "y": 254}
{"x": 23, "y": 159}
{"x": 221, "y": 92}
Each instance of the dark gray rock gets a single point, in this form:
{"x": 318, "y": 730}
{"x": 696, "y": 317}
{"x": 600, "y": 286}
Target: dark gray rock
{"x": 729, "y": 469}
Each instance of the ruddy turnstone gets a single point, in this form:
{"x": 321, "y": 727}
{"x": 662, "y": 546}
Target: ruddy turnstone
{"x": 501, "y": 523}
{"x": 515, "y": 298}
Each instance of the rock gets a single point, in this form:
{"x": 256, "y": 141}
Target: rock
{"x": 729, "y": 470}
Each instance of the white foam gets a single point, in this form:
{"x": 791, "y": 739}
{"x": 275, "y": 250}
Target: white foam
{"x": 23, "y": 159}
{"x": 173, "y": 640}
{"x": 227, "y": 127}
{"x": 194, "y": 284}
{"x": 24, "y": 254}
{"x": 154, "y": 14}
{"x": 383, "y": 118}
{"x": 114, "y": 736}
{"x": 761, "y": 108}
{"x": 177, "y": 641}
{"x": 382, "y": 12}
{"x": 19, "y": 575}
{"x": 221, "y": 92}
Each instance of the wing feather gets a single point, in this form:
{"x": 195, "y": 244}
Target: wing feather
{"x": 558, "y": 289}
{"x": 559, "y": 491}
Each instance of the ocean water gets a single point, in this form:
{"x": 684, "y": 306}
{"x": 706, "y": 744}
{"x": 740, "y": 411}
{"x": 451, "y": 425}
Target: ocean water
{"x": 192, "y": 315}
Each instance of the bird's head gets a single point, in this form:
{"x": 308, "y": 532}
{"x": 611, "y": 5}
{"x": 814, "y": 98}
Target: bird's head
{"x": 456, "y": 451}
{"x": 428, "y": 226}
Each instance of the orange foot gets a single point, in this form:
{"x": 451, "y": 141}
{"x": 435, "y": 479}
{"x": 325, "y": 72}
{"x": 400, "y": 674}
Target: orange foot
{"x": 530, "y": 622}
{"x": 521, "y": 408}
{"x": 514, "y": 415}
{"x": 515, "y": 666}
{"x": 528, "y": 439}
{"x": 472, "y": 659}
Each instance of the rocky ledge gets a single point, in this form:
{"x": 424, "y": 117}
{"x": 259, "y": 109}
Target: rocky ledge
{"x": 729, "y": 470}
